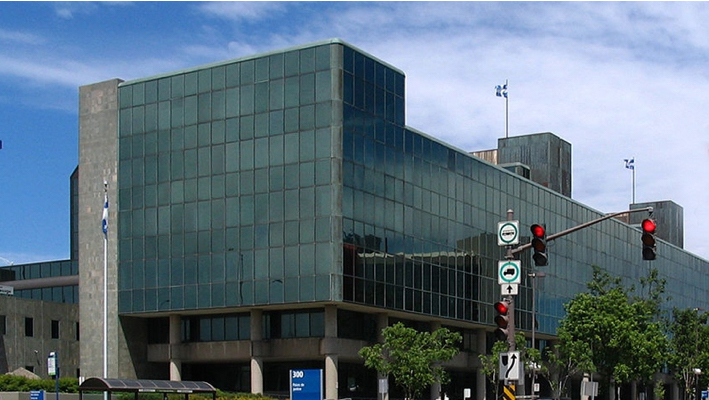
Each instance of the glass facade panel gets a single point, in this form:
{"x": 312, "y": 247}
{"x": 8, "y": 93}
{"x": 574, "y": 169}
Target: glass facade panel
{"x": 208, "y": 178}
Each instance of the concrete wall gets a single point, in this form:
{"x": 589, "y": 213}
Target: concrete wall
{"x": 98, "y": 132}
{"x": 31, "y": 352}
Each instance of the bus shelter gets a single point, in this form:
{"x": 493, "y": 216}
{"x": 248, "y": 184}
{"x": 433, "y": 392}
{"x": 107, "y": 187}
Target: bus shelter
{"x": 138, "y": 386}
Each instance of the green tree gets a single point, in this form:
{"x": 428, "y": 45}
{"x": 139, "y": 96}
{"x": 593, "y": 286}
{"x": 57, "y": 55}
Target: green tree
{"x": 491, "y": 362}
{"x": 689, "y": 339}
{"x": 491, "y": 365}
{"x": 622, "y": 335}
{"x": 568, "y": 358}
{"x": 412, "y": 358}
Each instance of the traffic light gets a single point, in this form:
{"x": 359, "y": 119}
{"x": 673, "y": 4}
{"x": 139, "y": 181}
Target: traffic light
{"x": 502, "y": 321}
{"x": 539, "y": 244}
{"x": 649, "y": 250}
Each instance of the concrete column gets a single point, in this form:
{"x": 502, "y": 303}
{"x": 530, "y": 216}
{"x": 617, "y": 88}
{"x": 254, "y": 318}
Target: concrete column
{"x": 256, "y": 375}
{"x": 331, "y": 377}
{"x": 256, "y": 336}
{"x": 480, "y": 378}
{"x": 382, "y": 322}
{"x": 175, "y": 361}
{"x": 674, "y": 390}
{"x": 98, "y": 162}
{"x": 436, "y": 386}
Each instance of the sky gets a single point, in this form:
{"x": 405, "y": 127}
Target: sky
{"x": 617, "y": 80}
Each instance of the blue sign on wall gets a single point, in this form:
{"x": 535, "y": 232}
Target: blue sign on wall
{"x": 306, "y": 384}
{"x": 37, "y": 395}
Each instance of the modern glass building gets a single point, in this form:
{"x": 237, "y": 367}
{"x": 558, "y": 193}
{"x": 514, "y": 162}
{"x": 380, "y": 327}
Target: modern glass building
{"x": 276, "y": 212}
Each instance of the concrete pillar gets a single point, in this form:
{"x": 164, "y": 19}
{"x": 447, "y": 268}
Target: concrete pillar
{"x": 331, "y": 359}
{"x": 674, "y": 390}
{"x": 382, "y": 322}
{"x": 480, "y": 378}
{"x": 256, "y": 336}
{"x": 331, "y": 376}
{"x": 256, "y": 375}
{"x": 436, "y": 386}
{"x": 175, "y": 361}
{"x": 98, "y": 162}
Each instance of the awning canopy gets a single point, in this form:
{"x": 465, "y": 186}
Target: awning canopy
{"x": 145, "y": 386}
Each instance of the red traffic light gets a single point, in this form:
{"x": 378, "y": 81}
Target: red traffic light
{"x": 648, "y": 238}
{"x": 502, "y": 307}
{"x": 538, "y": 230}
{"x": 539, "y": 244}
{"x": 502, "y": 320}
{"x": 649, "y": 226}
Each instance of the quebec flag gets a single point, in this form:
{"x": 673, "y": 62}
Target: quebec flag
{"x": 104, "y": 220}
{"x": 501, "y": 90}
{"x": 630, "y": 163}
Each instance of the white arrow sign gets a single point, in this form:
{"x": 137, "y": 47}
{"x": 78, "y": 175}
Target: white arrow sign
{"x": 509, "y": 366}
{"x": 509, "y": 289}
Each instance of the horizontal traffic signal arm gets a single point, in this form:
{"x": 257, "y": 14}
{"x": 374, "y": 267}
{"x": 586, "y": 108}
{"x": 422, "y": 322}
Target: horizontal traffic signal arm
{"x": 524, "y": 247}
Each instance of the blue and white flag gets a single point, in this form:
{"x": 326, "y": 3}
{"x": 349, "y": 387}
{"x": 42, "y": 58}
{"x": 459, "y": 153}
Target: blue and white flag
{"x": 501, "y": 90}
{"x": 104, "y": 220}
{"x": 630, "y": 163}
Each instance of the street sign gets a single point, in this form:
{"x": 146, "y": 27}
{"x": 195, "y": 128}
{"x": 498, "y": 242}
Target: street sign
{"x": 509, "y": 272}
{"x": 509, "y": 289}
{"x": 509, "y": 366}
{"x": 589, "y": 388}
{"x": 508, "y": 233}
{"x": 306, "y": 384}
{"x": 52, "y": 364}
{"x": 383, "y": 386}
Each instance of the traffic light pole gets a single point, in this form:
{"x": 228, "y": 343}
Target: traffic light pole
{"x": 510, "y": 298}
{"x": 519, "y": 249}
{"x": 510, "y": 384}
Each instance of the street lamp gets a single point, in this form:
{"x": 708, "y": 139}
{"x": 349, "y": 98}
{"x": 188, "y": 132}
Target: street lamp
{"x": 534, "y": 276}
{"x": 697, "y": 372}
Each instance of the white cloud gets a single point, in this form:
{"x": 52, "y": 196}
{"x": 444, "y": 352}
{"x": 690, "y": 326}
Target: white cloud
{"x": 68, "y": 9}
{"x": 242, "y": 10}
{"x": 20, "y": 37}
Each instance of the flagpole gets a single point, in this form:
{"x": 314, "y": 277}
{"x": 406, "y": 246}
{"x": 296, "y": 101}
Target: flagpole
{"x": 105, "y": 283}
{"x": 501, "y": 91}
{"x": 507, "y": 114}
{"x": 630, "y": 164}
{"x": 633, "y": 182}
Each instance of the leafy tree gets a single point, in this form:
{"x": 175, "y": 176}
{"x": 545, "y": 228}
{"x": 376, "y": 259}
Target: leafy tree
{"x": 412, "y": 358}
{"x": 491, "y": 362}
{"x": 689, "y": 338}
{"x": 568, "y": 358}
{"x": 622, "y": 336}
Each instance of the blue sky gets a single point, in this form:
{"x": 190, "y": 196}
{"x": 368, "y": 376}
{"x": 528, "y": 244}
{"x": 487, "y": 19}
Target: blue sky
{"x": 616, "y": 80}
